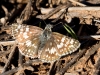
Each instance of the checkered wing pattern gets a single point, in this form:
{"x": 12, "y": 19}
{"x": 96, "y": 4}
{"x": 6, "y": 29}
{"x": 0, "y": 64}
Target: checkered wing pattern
{"x": 44, "y": 44}
{"x": 49, "y": 52}
{"x": 27, "y": 38}
{"x": 58, "y": 45}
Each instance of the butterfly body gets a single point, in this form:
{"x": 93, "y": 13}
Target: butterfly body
{"x": 44, "y": 44}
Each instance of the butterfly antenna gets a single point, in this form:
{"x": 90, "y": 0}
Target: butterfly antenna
{"x": 57, "y": 24}
{"x": 43, "y": 20}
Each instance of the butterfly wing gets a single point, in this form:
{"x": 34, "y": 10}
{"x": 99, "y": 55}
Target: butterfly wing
{"x": 27, "y": 40}
{"x": 57, "y": 46}
{"x": 65, "y": 45}
{"x": 49, "y": 52}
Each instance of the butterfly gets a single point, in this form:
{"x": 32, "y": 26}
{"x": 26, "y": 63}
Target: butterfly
{"x": 44, "y": 44}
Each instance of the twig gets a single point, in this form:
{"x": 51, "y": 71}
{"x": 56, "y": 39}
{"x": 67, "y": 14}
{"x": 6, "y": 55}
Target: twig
{"x": 20, "y": 60}
{"x": 5, "y": 10}
{"x": 34, "y": 62}
{"x": 10, "y": 72}
{"x": 3, "y": 53}
{"x": 5, "y": 43}
{"x": 55, "y": 10}
{"x": 9, "y": 59}
{"x": 3, "y": 20}
{"x": 26, "y": 13}
{"x": 15, "y": 11}
{"x": 62, "y": 71}
{"x": 81, "y": 12}
{"x": 5, "y": 36}
{"x": 91, "y": 37}
{"x": 97, "y": 68}
{"x": 85, "y": 58}
{"x": 73, "y": 1}
{"x": 97, "y": 20}
{"x": 80, "y": 29}
{"x": 91, "y": 51}
{"x": 18, "y": 1}
{"x": 46, "y": 10}
{"x": 51, "y": 68}
{"x": 84, "y": 11}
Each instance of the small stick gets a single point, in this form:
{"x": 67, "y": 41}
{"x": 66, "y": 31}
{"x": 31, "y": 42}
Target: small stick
{"x": 62, "y": 71}
{"x": 91, "y": 51}
{"x": 51, "y": 67}
{"x": 26, "y": 13}
{"x": 80, "y": 29}
{"x": 3, "y": 53}
{"x": 5, "y": 43}
{"x": 73, "y": 1}
{"x": 97, "y": 68}
{"x": 91, "y": 37}
{"x": 80, "y": 12}
{"x": 3, "y": 20}
{"x": 10, "y": 72}
{"x": 9, "y": 59}
{"x": 55, "y": 10}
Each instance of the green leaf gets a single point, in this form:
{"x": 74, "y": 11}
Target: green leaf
{"x": 70, "y": 31}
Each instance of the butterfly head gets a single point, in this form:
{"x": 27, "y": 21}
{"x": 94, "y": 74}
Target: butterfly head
{"x": 46, "y": 35}
{"x": 48, "y": 27}
{"x": 47, "y": 32}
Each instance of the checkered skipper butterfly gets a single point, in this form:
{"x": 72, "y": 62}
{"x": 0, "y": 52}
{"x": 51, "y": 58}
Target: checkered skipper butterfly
{"x": 44, "y": 44}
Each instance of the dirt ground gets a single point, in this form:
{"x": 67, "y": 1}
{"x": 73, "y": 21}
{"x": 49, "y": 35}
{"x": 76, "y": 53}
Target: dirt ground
{"x": 83, "y": 16}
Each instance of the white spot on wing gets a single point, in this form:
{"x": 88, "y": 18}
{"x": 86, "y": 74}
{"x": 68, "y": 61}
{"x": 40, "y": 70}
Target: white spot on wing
{"x": 71, "y": 46}
{"x": 29, "y": 50}
{"x": 52, "y": 51}
{"x": 27, "y": 29}
{"x": 47, "y": 55}
{"x": 34, "y": 45}
{"x": 21, "y": 39}
{"x": 21, "y": 43}
{"x": 30, "y": 32}
{"x": 58, "y": 40}
{"x": 16, "y": 30}
{"x": 21, "y": 30}
{"x": 62, "y": 40}
{"x": 19, "y": 26}
{"x": 30, "y": 54}
{"x": 25, "y": 35}
{"x": 64, "y": 48}
{"x": 60, "y": 45}
{"x": 28, "y": 43}
{"x": 72, "y": 41}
